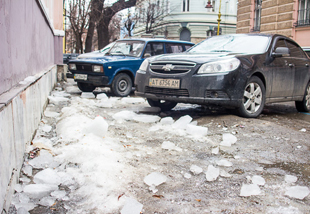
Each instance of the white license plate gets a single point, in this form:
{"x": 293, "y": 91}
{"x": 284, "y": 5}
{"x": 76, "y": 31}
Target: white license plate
{"x": 164, "y": 83}
{"x": 80, "y": 76}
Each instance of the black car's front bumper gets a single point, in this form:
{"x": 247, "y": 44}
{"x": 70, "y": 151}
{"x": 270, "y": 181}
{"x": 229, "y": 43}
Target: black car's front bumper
{"x": 221, "y": 89}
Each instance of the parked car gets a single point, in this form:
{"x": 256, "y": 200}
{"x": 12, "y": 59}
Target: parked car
{"x": 117, "y": 69}
{"x": 242, "y": 71}
{"x": 69, "y": 56}
{"x": 307, "y": 50}
{"x": 98, "y": 53}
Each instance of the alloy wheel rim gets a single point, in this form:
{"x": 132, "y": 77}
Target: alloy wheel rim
{"x": 252, "y": 98}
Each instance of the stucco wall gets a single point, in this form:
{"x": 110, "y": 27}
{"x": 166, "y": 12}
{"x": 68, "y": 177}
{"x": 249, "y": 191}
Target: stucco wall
{"x": 27, "y": 41}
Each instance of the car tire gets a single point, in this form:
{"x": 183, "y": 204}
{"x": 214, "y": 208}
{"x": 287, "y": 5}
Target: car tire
{"x": 304, "y": 105}
{"x": 122, "y": 85}
{"x": 253, "y": 99}
{"x": 86, "y": 87}
{"x": 162, "y": 104}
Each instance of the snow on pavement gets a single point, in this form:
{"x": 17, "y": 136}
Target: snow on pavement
{"x": 103, "y": 156}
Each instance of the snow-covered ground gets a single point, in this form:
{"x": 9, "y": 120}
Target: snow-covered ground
{"x": 100, "y": 154}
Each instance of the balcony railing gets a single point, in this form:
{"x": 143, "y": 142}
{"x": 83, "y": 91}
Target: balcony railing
{"x": 303, "y": 17}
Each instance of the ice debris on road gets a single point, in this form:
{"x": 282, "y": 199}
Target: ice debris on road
{"x": 88, "y": 95}
{"x": 154, "y": 179}
{"x": 212, "y": 173}
{"x": 196, "y": 170}
{"x": 132, "y": 206}
{"x": 170, "y": 146}
{"x": 290, "y": 178}
{"x": 249, "y": 190}
{"x": 228, "y": 140}
{"x": 299, "y": 192}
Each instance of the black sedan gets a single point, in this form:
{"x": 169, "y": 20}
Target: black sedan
{"x": 243, "y": 71}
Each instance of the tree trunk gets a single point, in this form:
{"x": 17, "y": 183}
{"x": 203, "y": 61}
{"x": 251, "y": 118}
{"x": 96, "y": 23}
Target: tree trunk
{"x": 89, "y": 37}
{"x": 103, "y": 32}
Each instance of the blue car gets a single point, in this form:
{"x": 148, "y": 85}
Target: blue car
{"x": 117, "y": 68}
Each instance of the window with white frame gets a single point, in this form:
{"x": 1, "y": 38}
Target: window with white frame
{"x": 304, "y": 12}
{"x": 185, "y": 6}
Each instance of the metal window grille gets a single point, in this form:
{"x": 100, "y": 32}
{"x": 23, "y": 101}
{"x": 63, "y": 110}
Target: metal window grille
{"x": 303, "y": 13}
{"x": 257, "y": 15}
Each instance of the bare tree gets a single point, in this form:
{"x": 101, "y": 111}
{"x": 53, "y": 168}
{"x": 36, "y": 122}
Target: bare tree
{"x": 152, "y": 13}
{"x": 78, "y": 15}
{"x": 114, "y": 27}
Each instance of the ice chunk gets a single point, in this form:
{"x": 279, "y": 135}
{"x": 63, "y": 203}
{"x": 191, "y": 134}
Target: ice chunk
{"x": 98, "y": 127}
{"x": 132, "y": 206}
{"x": 46, "y": 128}
{"x": 215, "y": 150}
{"x": 258, "y": 180}
{"x": 51, "y": 114}
{"x": 212, "y": 173}
{"x": 170, "y": 146}
{"x": 72, "y": 89}
{"x": 182, "y": 122}
{"x": 124, "y": 115}
{"x": 105, "y": 103}
{"x": 102, "y": 96}
{"x": 225, "y": 174}
{"x": 249, "y": 189}
{"x": 228, "y": 139}
{"x": 303, "y": 130}
{"x": 167, "y": 121}
{"x": 146, "y": 118}
{"x": 28, "y": 80}
{"x": 47, "y": 176}
{"x": 299, "y": 192}
{"x": 47, "y": 201}
{"x": 59, "y": 194}
{"x": 224, "y": 162}
{"x": 195, "y": 169}
{"x": 155, "y": 179}
{"x": 27, "y": 169}
{"x": 22, "y": 210}
{"x": 290, "y": 179}
{"x": 44, "y": 160}
{"x": 88, "y": 95}
{"x": 187, "y": 175}
{"x": 18, "y": 188}
{"x": 198, "y": 131}
{"x": 37, "y": 191}
{"x": 57, "y": 100}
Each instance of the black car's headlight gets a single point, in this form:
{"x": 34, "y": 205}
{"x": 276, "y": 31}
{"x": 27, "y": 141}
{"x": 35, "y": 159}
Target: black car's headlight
{"x": 144, "y": 65}
{"x": 97, "y": 68}
{"x": 72, "y": 66}
{"x": 219, "y": 66}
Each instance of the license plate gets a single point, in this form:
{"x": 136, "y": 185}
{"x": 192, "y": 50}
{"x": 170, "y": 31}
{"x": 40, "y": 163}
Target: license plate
{"x": 80, "y": 76}
{"x": 164, "y": 83}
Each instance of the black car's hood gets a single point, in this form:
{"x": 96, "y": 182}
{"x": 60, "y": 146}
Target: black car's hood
{"x": 195, "y": 57}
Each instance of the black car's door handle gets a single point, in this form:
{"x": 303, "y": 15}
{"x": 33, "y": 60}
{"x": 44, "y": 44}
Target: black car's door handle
{"x": 291, "y": 65}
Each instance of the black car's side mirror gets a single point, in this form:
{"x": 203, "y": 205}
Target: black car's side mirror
{"x": 281, "y": 52}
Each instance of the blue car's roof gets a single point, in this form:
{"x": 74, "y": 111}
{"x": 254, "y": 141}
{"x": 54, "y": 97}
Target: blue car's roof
{"x": 156, "y": 40}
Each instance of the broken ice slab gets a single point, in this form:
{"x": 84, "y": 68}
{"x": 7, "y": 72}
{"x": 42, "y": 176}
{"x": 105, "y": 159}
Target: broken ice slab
{"x": 105, "y": 103}
{"x": 249, "y": 189}
{"x": 299, "y": 192}
{"x": 167, "y": 121}
{"x": 46, "y": 128}
{"x": 47, "y": 201}
{"x": 228, "y": 139}
{"x": 212, "y": 173}
{"x": 155, "y": 179}
{"x": 224, "y": 162}
{"x": 58, "y": 100}
{"x": 98, "y": 127}
{"x": 51, "y": 114}
{"x": 59, "y": 194}
{"x": 37, "y": 191}
{"x": 182, "y": 122}
{"x": 132, "y": 206}
{"x": 102, "y": 96}
{"x": 44, "y": 160}
{"x": 22, "y": 210}
{"x": 198, "y": 131}
{"x": 47, "y": 176}
{"x": 290, "y": 178}
{"x": 27, "y": 170}
{"x": 124, "y": 115}
{"x": 196, "y": 170}
{"x": 146, "y": 118}
{"x": 170, "y": 146}
{"x": 187, "y": 175}
{"x": 215, "y": 150}
{"x": 258, "y": 180}
{"x": 88, "y": 95}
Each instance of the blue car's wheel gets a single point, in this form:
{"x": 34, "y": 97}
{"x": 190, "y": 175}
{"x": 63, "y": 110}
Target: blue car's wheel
{"x": 121, "y": 85}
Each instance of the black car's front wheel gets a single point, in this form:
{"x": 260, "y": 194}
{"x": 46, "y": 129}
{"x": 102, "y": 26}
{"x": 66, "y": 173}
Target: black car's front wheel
{"x": 253, "y": 98}
{"x": 122, "y": 85}
{"x": 86, "y": 87}
{"x": 304, "y": 105}
{"x": 162, "y": 104}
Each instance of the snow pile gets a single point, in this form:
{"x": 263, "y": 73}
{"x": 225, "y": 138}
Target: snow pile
{"x": 98, "y": 127}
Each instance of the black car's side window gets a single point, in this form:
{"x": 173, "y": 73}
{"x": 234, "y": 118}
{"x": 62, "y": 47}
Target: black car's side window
{"x": 295, "y": 50}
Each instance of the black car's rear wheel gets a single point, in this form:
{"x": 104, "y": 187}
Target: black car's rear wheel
{"x": 162, "y": 104}
{"x": 86, "y": 87}
{"x": 253, "y": 98}
{"x": 304, "y": 105}
{"x": 122, "y": 85}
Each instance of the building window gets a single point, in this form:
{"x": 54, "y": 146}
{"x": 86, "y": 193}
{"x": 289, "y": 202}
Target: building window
{"x": 304, "y": 12}
{"x": 185, "y": 5}
{"x": 257, "y": 15}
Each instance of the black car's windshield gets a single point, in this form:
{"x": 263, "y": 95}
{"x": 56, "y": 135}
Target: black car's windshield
{"x": 233, "y": 43}
{"x": 127, "y": 48}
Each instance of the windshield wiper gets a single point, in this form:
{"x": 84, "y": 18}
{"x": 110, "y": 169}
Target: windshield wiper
{"x": 220, "y": 51}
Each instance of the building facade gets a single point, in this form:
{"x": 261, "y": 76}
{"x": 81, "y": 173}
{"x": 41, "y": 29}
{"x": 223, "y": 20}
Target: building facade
{"x": 189, "y": 20}
{"x": 31, "y": 38}
{"x": 287, "y": 17}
